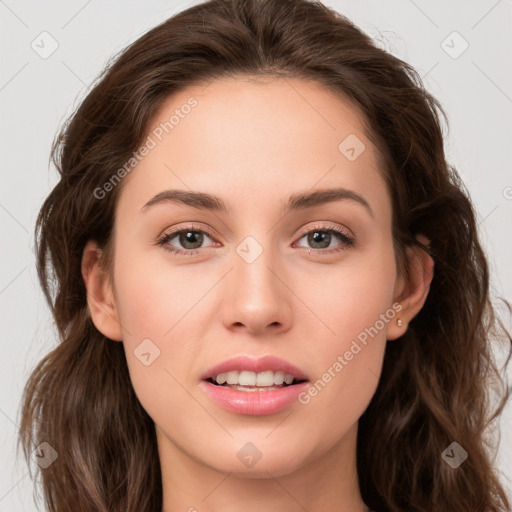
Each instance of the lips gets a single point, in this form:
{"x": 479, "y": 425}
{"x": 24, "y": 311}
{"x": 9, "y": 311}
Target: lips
{"x": 256, "y": 365}
{"x": 254, "y": 400}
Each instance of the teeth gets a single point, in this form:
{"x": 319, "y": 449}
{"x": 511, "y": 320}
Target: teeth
{"x": 232, "y": 377}
{"x": 288, "y": 378}
{"x": 279, "y": 378}
{"x": 262, "y": 379}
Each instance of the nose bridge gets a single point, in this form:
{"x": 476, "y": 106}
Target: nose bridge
{"x": 257, "y": 296}
{"x": 252, "y": 272}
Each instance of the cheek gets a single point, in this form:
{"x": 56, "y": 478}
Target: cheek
{"x": 354, "y": 306}
{"x": 157, "y": 332}
{"x": 351, "y": 296}
{"x": 152, "y": 298}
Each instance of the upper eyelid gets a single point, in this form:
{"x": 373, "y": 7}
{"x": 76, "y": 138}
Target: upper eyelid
{"x": 318, "y": 225}
{"x": 191, "y": 227}
{"x": 325, "y": 227}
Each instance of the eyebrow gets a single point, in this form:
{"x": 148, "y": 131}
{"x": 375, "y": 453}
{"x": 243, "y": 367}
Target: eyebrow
{"x": 297, "y": 201}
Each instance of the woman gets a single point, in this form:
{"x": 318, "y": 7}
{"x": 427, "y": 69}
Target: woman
{"x": 269, "y": 285}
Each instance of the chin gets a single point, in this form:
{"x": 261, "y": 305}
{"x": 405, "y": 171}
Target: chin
{"x": 259, "y": 458}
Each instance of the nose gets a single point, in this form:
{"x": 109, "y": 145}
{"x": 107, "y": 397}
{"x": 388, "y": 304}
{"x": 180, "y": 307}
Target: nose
{"x": 256, "y": 298}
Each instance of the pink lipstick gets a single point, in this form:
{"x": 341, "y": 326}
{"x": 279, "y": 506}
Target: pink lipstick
{"x": 250, "y": 386}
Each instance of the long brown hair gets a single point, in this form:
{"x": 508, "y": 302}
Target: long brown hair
{"x": 434, "y": 387}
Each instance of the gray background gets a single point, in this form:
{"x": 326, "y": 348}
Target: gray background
{"x": 37, "y": 94}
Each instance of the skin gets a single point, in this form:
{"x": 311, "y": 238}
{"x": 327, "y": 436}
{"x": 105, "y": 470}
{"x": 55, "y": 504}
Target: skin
{"x": 254, "y": 144}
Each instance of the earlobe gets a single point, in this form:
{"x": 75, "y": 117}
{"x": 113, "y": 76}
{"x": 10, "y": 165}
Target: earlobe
{"x": 100, "y": 298}
{"x": 414, "y": 288}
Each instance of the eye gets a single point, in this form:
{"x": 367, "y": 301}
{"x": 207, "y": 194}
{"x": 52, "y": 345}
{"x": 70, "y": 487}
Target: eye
{"x": 321, "y": 237}
{"x": 190, "y": 239}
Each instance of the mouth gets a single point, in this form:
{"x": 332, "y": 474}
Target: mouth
{"x": 254, "y": 387}
{"x": 251, "y": 381}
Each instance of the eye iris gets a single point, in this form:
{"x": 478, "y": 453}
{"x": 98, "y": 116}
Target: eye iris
{"x": 319, "y": 237}
{"x": 187, "y": 237}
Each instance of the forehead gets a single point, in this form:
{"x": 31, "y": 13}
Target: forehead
{"x": 243, "y": 137}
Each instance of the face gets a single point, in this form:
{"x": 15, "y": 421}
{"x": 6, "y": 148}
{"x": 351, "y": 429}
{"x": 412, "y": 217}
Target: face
{"x": 309, "y": 281}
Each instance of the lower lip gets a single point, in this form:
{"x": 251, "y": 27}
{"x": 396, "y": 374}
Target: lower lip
{"x": 254, "y": 403}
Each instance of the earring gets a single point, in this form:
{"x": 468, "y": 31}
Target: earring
{"x": 399, "y": 322}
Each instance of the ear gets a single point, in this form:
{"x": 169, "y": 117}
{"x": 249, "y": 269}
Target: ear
{"x": 411, "y": 292}
{"x": 100, "y": 297}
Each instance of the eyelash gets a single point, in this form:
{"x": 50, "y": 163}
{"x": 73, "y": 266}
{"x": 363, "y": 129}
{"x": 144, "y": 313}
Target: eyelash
{"x": 347, "y": 241}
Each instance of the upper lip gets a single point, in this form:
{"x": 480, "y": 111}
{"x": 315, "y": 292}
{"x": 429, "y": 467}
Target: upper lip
{"x": 256, "y": 365}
